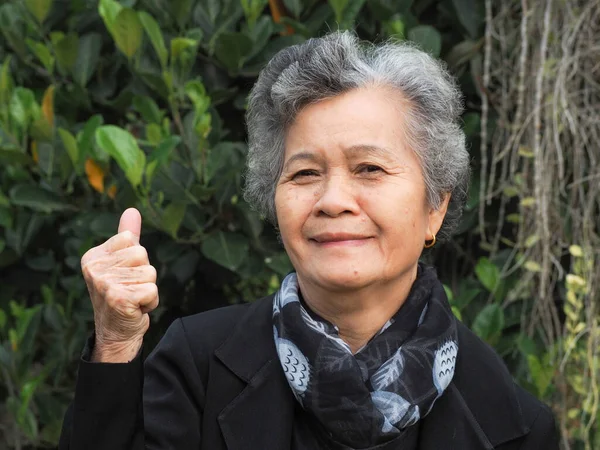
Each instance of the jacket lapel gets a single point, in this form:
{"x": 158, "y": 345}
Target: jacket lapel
{"x": 261, "y": 416}
{"x": 451, "y": 426}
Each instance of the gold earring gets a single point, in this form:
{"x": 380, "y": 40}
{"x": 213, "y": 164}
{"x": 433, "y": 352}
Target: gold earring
{"x": 431, "y": 243}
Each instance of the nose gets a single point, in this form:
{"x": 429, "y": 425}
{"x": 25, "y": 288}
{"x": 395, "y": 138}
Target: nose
{"x": 337, "y": 197}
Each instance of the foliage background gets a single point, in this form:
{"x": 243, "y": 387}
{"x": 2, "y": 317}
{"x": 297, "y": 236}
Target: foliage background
{"x": 106, "y": 105}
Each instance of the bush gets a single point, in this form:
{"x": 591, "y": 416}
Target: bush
{"x": 106, "y": 105}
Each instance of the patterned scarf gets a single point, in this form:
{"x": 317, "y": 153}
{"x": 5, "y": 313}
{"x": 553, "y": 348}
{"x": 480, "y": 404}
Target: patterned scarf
{"x": 371, "y": 397}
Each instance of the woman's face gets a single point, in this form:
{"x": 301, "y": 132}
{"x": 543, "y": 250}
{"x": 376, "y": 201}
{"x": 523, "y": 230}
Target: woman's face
{"x": 351, "y": 201}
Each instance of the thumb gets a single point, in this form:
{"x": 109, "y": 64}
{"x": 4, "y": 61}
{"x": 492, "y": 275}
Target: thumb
{"x": 131, "y": 220}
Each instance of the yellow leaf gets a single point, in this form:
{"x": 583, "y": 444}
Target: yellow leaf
{"x": 526, "y": 152}
{"x": 48, "y": 105}
{"x": 576, "y": 251}
{"x": 532, "y": 266}
{"x": 95, "y": 175}
{"x": 575, "y": 281}
{"x": 112, "y": 191}
{"x": 527, "y": 201}
{"x": 34, "y": 152}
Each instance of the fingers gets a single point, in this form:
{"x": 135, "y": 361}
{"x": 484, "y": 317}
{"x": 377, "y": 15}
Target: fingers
{"x": 131, "y": 257}
{"x": 146, "y": 296}
{"x": 119, "y": 241}
{"x": 128, "y": 299}
{"x": 128, "y": 276}
{"x": 131, "y": 220}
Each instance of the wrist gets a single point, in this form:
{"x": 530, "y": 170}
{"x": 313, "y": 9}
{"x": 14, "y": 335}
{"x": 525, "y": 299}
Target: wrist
{"x": 115, "y": 352}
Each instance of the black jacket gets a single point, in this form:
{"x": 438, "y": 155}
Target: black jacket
{"x": 214, "y": 382}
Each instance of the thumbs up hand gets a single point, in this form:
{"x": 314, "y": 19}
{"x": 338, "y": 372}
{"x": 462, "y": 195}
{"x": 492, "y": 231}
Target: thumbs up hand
{"x": 122, "y": 287}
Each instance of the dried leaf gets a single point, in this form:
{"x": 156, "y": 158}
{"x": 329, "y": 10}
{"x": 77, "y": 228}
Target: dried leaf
{"x": 48, "y": 105}
{"x": 95, "y": 175}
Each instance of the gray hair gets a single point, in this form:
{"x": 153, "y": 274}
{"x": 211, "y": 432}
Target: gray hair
{"x": 325, "y": 67}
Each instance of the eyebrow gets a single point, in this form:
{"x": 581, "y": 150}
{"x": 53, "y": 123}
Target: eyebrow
{"x": 369, "y": 149}
{"x": 306, "y": 156}
{"x": 352, "y": 150}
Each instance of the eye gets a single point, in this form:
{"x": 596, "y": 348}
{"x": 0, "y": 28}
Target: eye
{"x": 369, "y": 169}
{"x": 305, "y": 173}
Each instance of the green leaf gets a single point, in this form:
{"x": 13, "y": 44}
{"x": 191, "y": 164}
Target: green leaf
{"x": 231, "y": 49}
{"x": 2, "y": 318}
{"x": 395, "y": 27}
{"x": 163, "y": 151}
{"x": 23, "y": 107}
{"x": 42, "y": 263}
{"x": 6, "y": 218}
{"x": 88, "y": 55}
{"x": 14, "y": 155}
{"x": 279, "y": 263}
{"x": 6, "y": 82}
{"x": 39, "y": 9}
{"x": 153, "y": 134}
{"x": 109, "y": 10}
{"x": 456, "y": 312}
{"x": 252, "y": 10}
{"x": 471, "y": 124}
{"x": 488, "y": 274}
{"x": 196, "y": 91}
{"x": 542, "y": 374}
{"x": 181, "y": 11}
{"x": 338, "y": 7}
{"x": 87, "y": 137}
{"x": 428, "y": 38}
{"x": 70, "y": 144}
{"x": 462, "y": 53}
{"x": 227, "y": 249}
{"x": 156, "y": 38}
{"x": 122, "y": 146}
{"x": 37, "y": 198}
{"x": 66, "y": 50}
{"x": 148, "y": 109}
{"x": 470, "y": 14}
{"x": 172, "y": 217}
{"x": 104, "y": 224}
{"x": 294, "y": 7}
{"x": 180, "y": 44}
{"x": 351, "y": 13}
{"x": 489, "y": 323}
{"x": 128, "y": 31}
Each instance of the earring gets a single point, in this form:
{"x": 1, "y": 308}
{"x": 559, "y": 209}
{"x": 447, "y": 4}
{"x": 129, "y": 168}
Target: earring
{"x": 429, "y": 244}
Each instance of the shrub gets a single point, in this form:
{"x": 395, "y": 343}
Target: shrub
{"x": 106, "y": 105}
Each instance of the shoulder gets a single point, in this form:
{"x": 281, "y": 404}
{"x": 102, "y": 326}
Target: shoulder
{"x": 210, "y": 329}
{"x": 488, "y": 388}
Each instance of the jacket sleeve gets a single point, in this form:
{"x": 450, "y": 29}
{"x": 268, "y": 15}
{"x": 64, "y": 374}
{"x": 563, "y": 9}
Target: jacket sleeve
{"x": 137, "y": 406}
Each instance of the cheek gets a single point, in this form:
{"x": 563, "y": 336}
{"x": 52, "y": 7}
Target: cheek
{"x": 292, "y": 206}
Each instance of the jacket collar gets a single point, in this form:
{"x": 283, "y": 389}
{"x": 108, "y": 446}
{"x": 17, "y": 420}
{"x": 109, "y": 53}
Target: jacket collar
{"x": 475, "y": 412}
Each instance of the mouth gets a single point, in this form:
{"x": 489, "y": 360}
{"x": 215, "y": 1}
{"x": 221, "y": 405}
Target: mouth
{"x": 335, "y": 239}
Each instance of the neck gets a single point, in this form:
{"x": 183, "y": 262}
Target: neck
{"x": 360, "y": 313}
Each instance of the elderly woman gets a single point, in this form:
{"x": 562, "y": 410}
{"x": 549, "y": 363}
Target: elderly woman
{"x": 357, "y": 155}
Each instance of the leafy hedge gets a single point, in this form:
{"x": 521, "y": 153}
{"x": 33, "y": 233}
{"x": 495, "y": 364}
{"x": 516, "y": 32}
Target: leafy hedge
{"x": 105, "y": 105}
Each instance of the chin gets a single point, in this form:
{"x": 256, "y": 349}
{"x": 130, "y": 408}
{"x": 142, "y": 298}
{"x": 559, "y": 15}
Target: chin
{"x": 343, "y": 279}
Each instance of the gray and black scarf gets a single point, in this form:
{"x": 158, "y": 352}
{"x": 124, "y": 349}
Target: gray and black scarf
{"x": 370, "y": 397}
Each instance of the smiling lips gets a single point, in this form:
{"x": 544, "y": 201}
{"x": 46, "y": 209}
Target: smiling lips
{"x": 337, "y": 239}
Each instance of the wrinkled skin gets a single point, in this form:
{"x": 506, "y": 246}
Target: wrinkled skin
{"x": 122, "y": 287}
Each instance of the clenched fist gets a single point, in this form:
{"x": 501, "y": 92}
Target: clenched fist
{"x": 122, "y": 287}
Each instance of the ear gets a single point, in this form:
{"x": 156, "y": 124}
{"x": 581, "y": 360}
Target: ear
{"x": 436, "y": 217}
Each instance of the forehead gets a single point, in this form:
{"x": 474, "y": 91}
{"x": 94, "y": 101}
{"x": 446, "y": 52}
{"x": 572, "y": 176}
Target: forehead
{"x": 368, "y": 120}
